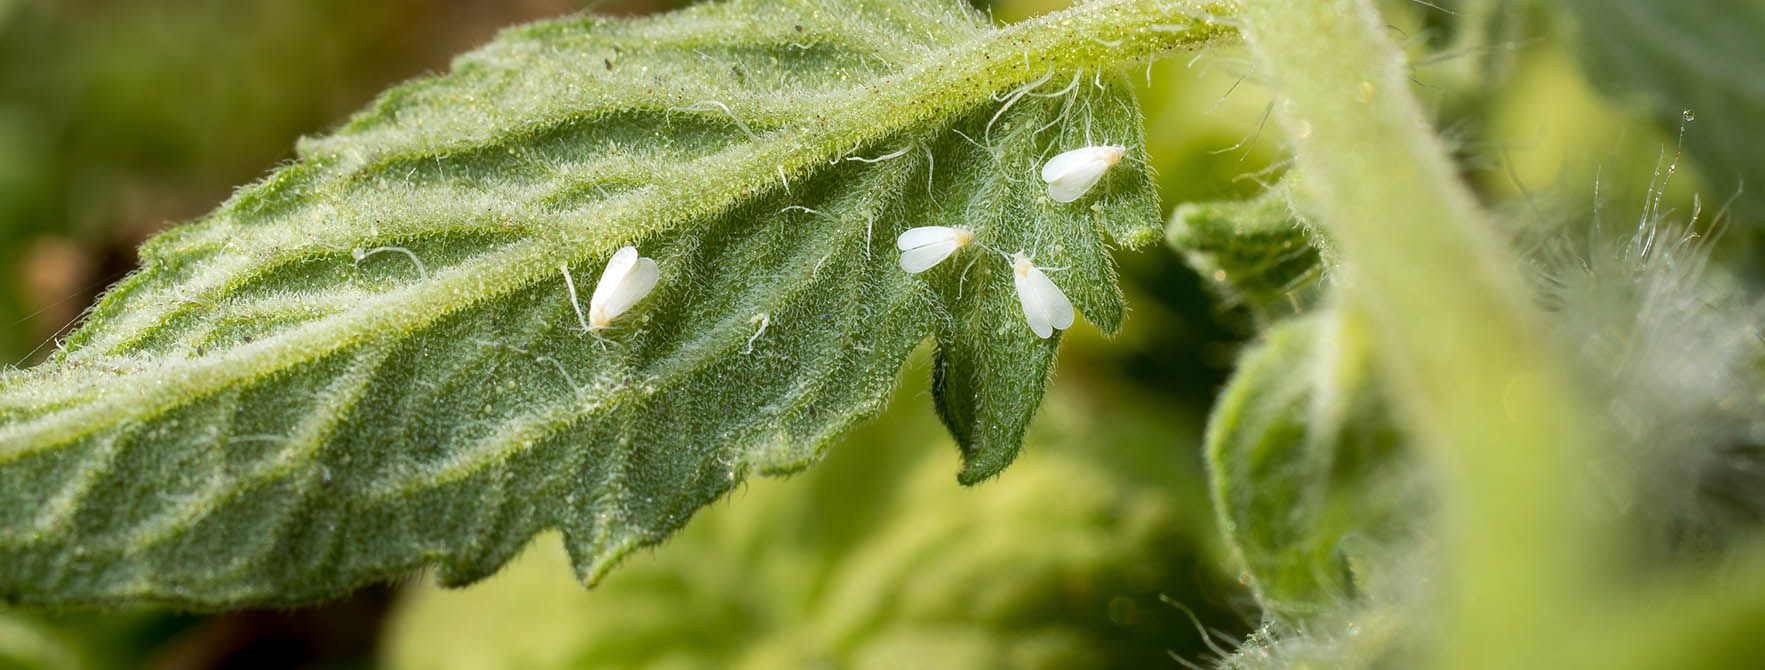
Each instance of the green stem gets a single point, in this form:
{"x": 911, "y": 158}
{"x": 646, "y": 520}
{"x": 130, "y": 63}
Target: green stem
{"x": 1471, "y": 369}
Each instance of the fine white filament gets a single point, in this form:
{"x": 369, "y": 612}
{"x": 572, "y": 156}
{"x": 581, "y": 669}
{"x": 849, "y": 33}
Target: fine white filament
{"x": 1072, "y": 174}
{"x": 1044, "y": 305}
{"x": 627, "y": 279}
{"x": 925, "y": 247}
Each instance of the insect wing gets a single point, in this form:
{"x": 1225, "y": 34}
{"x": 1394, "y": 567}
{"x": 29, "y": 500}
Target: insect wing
{"x": 618, "y": 267}
{"x": 1044, "y": 305}
{"x": 631, "y": 288}
{"x": 1072, "y": 174}
{"x": 1069, "y": 162}
{"x": 1077, "y": 182}
{"x": 922, "y": 258}
{"x": 924, "y": 235}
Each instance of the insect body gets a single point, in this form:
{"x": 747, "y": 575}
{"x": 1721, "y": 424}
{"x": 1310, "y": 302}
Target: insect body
{"x": 1071, "y": 175}
{"x": 627, "y": 279}
{"x": 924, "y": 247}
{"x": 1044, "y": 305}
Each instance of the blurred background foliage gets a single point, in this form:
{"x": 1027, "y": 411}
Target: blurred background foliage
{"x": 1099, "y": 549}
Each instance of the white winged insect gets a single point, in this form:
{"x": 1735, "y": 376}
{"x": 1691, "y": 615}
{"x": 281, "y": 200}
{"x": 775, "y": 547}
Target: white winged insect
{"x": 627, "y": 279}
{"x": 1072, "y": 174}
{"x": 1044, "y": 305}
{"x": 926, "y": 246}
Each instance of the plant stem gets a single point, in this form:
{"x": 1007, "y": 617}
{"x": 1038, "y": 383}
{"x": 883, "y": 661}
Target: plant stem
{"x": 1475, "y": 377}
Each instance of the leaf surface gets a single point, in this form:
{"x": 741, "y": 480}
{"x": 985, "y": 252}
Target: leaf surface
{"x": 369, "y": 362}
{"x": 1304, "y": 462}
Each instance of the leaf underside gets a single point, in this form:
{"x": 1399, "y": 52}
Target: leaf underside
{"x": 369, "y": 363}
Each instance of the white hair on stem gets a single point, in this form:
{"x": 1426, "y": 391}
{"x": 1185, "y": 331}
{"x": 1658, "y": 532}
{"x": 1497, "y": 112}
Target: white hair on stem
{"x": 360, "y": 255}
{"x": 709, "y": 105}
{"x": 764, "y": 319}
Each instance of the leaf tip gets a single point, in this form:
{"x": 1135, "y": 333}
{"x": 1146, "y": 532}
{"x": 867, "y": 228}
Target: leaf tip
{"x": 593, "y": 560}
{"x": 1139, "y": 237}
{"x": 981, "y": 462}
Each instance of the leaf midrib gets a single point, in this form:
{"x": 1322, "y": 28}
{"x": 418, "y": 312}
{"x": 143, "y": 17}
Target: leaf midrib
{"x": 941, "y": 86}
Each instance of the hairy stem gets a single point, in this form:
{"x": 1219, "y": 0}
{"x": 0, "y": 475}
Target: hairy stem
{"x": 1461, "y": 347}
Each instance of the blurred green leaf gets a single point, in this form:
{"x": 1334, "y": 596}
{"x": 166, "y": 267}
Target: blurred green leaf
{"x": 269, "y": 412}
{"x": 1256, "y": 252}
{"x": 26, "y": 644}
{"x": 1307, "y": 480}
{"x": 1685, "y": 60}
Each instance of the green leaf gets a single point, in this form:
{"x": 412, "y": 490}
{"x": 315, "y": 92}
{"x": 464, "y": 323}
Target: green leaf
{"x": 1256, "y": 252}
{"x": 369, "y": 361}
{"x": 1694, "y": 63}
{"x": 1307, "y": 479}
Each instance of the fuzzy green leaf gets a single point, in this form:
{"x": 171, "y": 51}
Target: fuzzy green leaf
{"x": 369, "y": 362}
{"x": 1303, "y": 463}
{"x": 1256, "y": 252}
